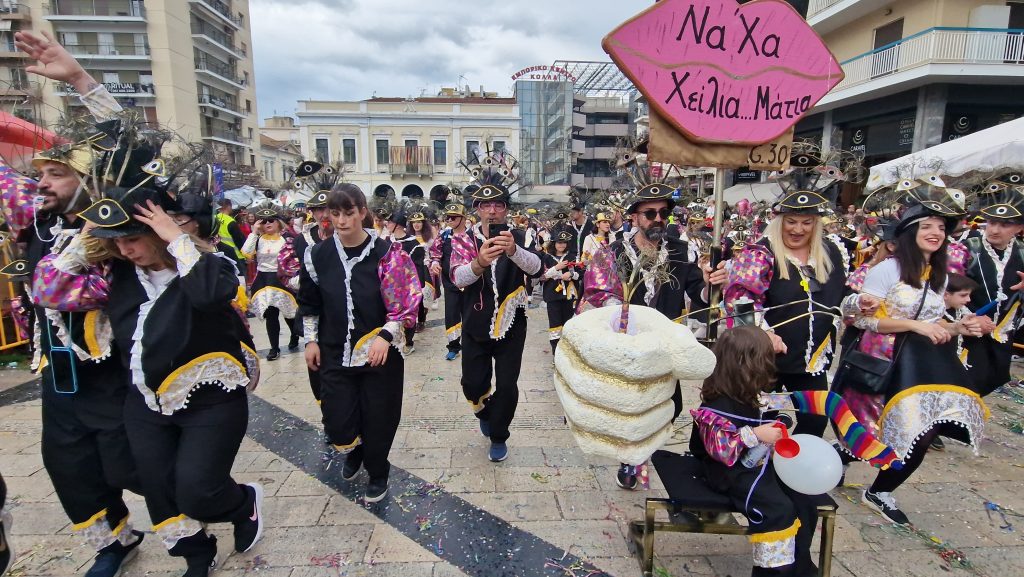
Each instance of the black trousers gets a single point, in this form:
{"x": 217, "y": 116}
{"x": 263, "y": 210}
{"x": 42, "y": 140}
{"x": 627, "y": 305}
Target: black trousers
{"x": 272, "y": 316}
{"x": 503, "y": 359}
{"x": 86, "y": 453}
{"x": 314, "y": 376}
{"x": 185, "y": 460}
{"x": 809, "y": 424}
{"x": 559, "y": 313}
{"x": 362, "y": 406}
{"x": 453, "y": 317}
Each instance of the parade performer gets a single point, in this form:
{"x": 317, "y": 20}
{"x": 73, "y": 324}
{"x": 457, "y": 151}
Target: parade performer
{"x": 423, "y": 232}
{"x": 599, "y": 239}
{"x": 357, "y": 293}
{"x": 579, "y": 223}
{"x": 490, "y": 264}
{"x": 561, "y": 285}
{"x": 997, "y": 265}
{"x": 317, "y": 180}
{"x": 270, "y": 298}
{"x": 395, "y": 225}
{"x": 797, "y": 277}
{"x": 187, "y": 411}
{"x": 85, "y": 448}
{"x": 440, "y": 265}
{"x": 728, "y": 428}
{"x": 650, "y": 207}
{"x": 929, "y": 389}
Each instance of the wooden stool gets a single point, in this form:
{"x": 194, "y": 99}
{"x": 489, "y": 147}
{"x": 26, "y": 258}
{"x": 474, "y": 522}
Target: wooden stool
{"x": 697, "y": 509}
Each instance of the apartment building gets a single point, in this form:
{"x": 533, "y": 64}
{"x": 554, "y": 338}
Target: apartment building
{"x": 918, "y": 73}
{"x": 409, "y": 146}
{"x": 186, "y": 64}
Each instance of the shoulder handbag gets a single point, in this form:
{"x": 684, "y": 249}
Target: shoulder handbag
{"x": 867, "y": 373}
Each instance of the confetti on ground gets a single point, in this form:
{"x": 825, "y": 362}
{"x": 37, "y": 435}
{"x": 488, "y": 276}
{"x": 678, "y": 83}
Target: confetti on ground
{"x": 540, "y": 478}
{"x": 331, "y": 560}
{"x": 954, "y": 558}
{"x": 255, "y": 564}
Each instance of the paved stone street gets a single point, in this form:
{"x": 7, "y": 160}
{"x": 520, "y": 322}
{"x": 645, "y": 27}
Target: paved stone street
{"x": 547, "y": 510}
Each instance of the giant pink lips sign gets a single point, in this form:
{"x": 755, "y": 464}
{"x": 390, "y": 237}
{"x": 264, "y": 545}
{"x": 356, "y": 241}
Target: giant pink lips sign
{"x": 725, "y": 73}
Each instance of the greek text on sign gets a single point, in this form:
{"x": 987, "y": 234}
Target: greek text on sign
{"x": 725, "y": 73}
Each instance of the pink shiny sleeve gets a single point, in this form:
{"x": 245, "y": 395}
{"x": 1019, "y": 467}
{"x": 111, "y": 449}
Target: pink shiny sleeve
{"x": 601, "y": 282}
{"x": 463, "y": 252}
{"x": 958, "y": 257}
{"x": 750, "y": 276}
{"x": 856, "y": 279}
{"x": 434, "y": 252}
{"x": 400, "y": 287}
{"x": 721, "y": 438}
{"x": 55, "y": 289}
{"x": 287, "y": 261}
{"x": 16, "y": 193}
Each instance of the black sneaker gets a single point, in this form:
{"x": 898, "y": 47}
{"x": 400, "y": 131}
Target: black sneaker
{"x": 937, "y": 444}
{"x": 293, "y": 344}
{"x": 376, "y": 490}
{"x": 113, "y": 558}
{"x": 6, "y": 552}
{"x": 353, "y": 462}
{"x": 274, "y": 354}
{"x": 249, "y": 531}
{"x": 886, "y": 505}
{"x": 200, "y": 567}
{"x": 625, "y": 479}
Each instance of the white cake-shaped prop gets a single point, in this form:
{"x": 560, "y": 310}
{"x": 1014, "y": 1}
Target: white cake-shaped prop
{"x": 616, "y": 388}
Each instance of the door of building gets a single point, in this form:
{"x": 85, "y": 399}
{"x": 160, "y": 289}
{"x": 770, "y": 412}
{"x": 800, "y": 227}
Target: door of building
{"x": 886, "y": 58}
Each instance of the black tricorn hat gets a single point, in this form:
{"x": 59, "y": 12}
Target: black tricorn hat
{"x": 318, "y": 200}
{"x": 651, "y": 192}
{"x": 267, "y": 213}
{"x": 113, "y": 215}
{"x": 563, "y": 236}
{"x": 999, "y": 201}
{"x": 490, "y": 192}
{"x": 802, "y": 202}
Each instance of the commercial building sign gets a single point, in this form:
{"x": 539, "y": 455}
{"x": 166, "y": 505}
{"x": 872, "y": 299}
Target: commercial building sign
{"x": 549, "y": 73}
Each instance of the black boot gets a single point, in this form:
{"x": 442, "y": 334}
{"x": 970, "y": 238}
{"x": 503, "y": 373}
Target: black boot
{"x": 293, "y": 343}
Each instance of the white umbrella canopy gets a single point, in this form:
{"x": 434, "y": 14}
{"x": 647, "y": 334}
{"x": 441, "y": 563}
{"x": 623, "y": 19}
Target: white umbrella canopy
{"x": 990, "y": 151}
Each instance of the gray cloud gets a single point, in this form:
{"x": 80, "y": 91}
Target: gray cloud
{"x": 352, "y": 49}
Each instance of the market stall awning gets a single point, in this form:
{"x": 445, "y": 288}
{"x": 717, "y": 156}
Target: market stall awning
{"x": 993, "y": 150}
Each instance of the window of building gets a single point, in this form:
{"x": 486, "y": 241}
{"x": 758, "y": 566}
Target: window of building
{"x": 382, "y": 152}
{"x": 252, "y": 160}
{"x": 471, "y": 150}
{"x": 111, "y": 78}
{"x": 250, "y": 133}
{"x": 323, "y": 150}
{"x": 440, "y": 152}
{"x": 248, "y": 105}
{"x": 348, "y": 150}
{"x": 498, "y": 145}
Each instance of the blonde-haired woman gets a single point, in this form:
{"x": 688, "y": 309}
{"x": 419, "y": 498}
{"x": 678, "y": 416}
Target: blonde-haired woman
{"x": 794, "y": 273}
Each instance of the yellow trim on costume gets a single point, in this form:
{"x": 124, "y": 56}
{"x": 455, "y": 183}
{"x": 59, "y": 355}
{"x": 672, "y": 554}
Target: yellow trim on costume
{"x": 553, "y": 329}
{"x": 432, "y": 287}
{"x": 167, "y": 522}
{"x": 998, "y": 333}
{"x": 776, "y": 536}
{"x": 43, "y": 363}
{"x": 821, "y": 350}
{"x": 91, "y": 320}
{"x": 246, "y": 347}
{"x": 932, "y": 389}
{"x": 479, "y": 405}
{"x": 318, "y": 402}
{"x": 120, "y": 526}
{"x": 90, "y": 522}
{"x": 269, "y": 287}
{"x": 457, "y": 327}
{"x": 350, "y": 446}
{"x": 501, "y": 310}
{"x": 208, "y": 356}
{"x": 365, "y": 338}
{"x": 241, "y": 301}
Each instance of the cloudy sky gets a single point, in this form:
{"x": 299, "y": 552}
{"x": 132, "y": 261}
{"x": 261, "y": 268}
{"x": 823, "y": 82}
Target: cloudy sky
{"x": 353, "y": 49}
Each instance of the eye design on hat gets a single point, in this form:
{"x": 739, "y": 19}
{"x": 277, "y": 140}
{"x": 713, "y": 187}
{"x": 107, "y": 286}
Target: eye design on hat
{"x": 106, "y": 213}
{"x": 907, "y": 184}
{"x": 934, "y": 180}
{"x": 15, "y": 268}
{"x": 155, "y": 167}
{"x": 1014, "y": 178}
{"x": 308, "y": 168}
{"x": 804, "y": 159}
{"x": 994, "y": 187}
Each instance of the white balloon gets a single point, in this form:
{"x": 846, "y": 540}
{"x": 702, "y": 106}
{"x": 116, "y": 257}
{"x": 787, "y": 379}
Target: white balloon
{"x": 815, "y": 470}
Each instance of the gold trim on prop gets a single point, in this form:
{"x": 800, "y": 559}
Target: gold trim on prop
{"x": 609, "y": 439}
{"x": 610, "y": 413}
{"x": 573, "y": 357}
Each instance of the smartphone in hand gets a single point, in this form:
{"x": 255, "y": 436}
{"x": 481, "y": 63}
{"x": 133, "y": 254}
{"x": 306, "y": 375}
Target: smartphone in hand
{"x": 495, "y": 229}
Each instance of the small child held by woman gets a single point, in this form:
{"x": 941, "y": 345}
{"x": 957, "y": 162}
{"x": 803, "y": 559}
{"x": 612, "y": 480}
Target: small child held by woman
{"x": 732, "y": 435}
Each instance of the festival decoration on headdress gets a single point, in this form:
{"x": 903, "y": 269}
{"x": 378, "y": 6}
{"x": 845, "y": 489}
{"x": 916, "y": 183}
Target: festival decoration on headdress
{"x": 649, "y": 181}
{"x": 422, "y": 210}
{"x": 809, "y": 185}
{"x": 384, "y": 206}
{"x": 494, "y": 172}
{"x": 311, "y": 177}
{"x": 858, "y": 440}
{"x": 1001, "y": 200}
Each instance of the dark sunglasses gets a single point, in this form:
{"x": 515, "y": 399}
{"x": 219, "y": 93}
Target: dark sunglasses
{"x": 651, "y": 214}
{"x": 450, "y": 217}
{"x": 267, "y": 221}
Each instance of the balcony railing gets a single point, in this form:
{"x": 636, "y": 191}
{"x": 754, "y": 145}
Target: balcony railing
{"x": 9, "y": 8}
{"x": 219, "y": 37}
{"x": 222, "y": 70}
{"x": 19, "y": 88}
{"x": 221, "y": 9}
{"x": 111, "y": 8}
{"x": 936, "y": 46}
{"x": 115, "y": 88}
{"x": 107, "y": 50}
{"x": 820, "y": 6}
{"x": 411, "y": 160}
{"x": 227, "y": 135}
{"x": 224, "y": 103}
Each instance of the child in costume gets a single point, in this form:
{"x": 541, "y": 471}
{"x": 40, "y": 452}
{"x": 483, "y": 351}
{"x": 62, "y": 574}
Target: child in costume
{"x": 732, "y": 433}
{"x": 561, "y": 285}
